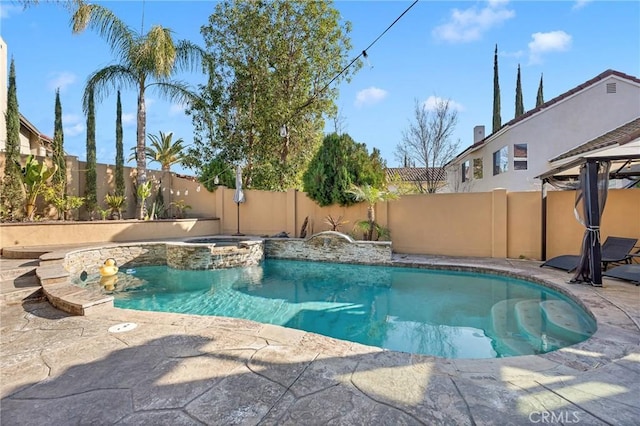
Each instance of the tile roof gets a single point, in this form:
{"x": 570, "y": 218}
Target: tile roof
{"x": 417, "y": 174}
{"x": 620, "y": 136}
{"x": 555, "y": 100}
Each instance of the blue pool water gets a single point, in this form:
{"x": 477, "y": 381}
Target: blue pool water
{"x": 441, "y": 313}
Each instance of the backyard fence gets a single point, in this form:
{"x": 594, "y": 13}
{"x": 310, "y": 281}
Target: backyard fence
{"x": 485, "y": 224}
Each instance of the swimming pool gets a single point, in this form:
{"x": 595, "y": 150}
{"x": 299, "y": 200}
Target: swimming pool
{"x": 442, "y": 313}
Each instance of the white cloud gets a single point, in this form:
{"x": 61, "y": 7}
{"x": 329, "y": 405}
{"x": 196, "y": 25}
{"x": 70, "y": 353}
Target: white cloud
{"x": 128, "y": 119}
{"x": 72, "y": 124}
{"x": 579, "y": 4}
{"x": 542, "y": 43}
{"x": 432, "y": 103}
{"x": 470, "y": 24}
{"x": 73, "y": 130}
{"x": 62, "y": 80}
{"x": 8, "y": 10}
{"x": 176, "y": 109}
{"x": 517, "y": 54}
{"x": 370, "y": 96}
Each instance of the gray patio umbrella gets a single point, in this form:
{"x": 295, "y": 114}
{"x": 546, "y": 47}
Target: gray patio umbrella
{"x": 238, "y": 196}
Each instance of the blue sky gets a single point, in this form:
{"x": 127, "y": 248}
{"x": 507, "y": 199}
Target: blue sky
{"x": 439, "y": 49}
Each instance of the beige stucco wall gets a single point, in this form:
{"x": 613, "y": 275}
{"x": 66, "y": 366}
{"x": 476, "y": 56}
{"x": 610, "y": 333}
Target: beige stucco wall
{"x": 262, "y": 213}
{"x": 58, "y": 232}
{"x": 447, "y": 224}
{"x": 524, "y": 224}
{"x": 486, "y": 224}
{"x": 621, "y": 218}
{"x": 317, "y": 215}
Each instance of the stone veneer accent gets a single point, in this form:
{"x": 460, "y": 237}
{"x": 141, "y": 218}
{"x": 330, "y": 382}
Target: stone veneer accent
{"x": 126, "y": 255}
{"x": 329, "y": 246}
{"x": 208, "y": 256}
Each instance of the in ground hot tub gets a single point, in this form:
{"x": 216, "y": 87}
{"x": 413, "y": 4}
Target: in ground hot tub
{"x": 215, "y": 253}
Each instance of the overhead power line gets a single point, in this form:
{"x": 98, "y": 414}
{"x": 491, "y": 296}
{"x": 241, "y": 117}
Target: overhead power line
{"x": 362, "y": 54}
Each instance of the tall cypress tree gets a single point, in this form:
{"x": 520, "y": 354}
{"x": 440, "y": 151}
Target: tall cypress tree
{"x": 120, "y": 188}
{"x": 60, "y": 176}
{"x": 540, "y": 97}
{"x": 90, "y": 192}
{"x": 497, "y": 121}
{"x": 12, "y": 195}
{"x": 519, "y": 101}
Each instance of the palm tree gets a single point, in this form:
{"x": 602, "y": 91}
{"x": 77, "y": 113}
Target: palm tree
{"x": 144, "y": 61}
{"x": 371, "y": 195}
{"x": 164, "y": 151}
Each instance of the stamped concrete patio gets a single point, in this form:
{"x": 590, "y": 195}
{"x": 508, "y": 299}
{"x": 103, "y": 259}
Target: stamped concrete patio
{"x": 175, "y": 369}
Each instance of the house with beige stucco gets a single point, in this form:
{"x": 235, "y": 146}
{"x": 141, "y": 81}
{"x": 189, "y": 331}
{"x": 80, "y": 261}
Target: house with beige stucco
{"x": 528, "y": 146}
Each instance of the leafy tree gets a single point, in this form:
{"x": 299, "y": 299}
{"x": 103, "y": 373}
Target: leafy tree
{"x": 497, "y": 121}
{"x": 519, "y": 100}
{"x": 120, "y": 185}
{"x": 60, "y": 176}
{"x": 371, "y": 195}
{"x": 217, "y": 172}
{"x": 269, "y": 89}
{"x": 340, "y": 163}
{"x": 427, "y": 141}
{"x": 91, "y": 185}
{"x": 145, "y": 61}
{"x": 540, "y": 97}
{"x": 12, "y": 195}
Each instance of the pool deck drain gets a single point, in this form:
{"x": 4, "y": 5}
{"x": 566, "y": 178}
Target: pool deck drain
{"x": 124, "y": 327}
{"x": 187, "y": 369}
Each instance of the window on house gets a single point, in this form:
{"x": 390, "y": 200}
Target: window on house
{"x": 501, "y": 161}
{"x": 466, "y": 171}
{"x": 477, "y": 168}
{"x": 520, "y": 156}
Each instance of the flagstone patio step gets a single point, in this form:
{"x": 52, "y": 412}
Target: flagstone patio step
{"x": 14, "y": 268}
{"x": 26, "y": 287}
{"x": 34, "y": 252}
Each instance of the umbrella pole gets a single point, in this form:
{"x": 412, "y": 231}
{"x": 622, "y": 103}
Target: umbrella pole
{"x": 238, "y": 232}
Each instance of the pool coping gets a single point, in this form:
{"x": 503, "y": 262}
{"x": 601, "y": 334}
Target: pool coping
{"x": 617, "y": 333}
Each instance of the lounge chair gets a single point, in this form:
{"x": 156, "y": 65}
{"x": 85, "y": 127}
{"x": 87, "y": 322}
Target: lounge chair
{"x": 614, "y": 250}
{"x": 625, "y": 272}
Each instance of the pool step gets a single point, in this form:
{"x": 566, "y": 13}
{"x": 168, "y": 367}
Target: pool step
{"x": 517, "y": 324}
{"x": 562, "y": 320}
{"x": 529, "y": 316}
{"x": 505, "y": 329}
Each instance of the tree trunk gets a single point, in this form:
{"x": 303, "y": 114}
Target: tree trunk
{"x": 30, "y": 210}
{"x": 141, "y": 161}
{"x": 371, "y": 215}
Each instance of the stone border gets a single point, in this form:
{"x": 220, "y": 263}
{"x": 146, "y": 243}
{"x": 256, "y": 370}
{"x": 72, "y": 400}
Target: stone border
{"x": 330, "y": 246}
{"x": 57, "y": 268}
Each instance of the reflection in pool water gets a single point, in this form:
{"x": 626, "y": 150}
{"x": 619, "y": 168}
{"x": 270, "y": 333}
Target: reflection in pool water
{"x": 442, "y": 313}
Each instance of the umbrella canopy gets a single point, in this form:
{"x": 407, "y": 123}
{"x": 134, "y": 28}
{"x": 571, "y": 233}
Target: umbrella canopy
{"x": 238, "y": 196}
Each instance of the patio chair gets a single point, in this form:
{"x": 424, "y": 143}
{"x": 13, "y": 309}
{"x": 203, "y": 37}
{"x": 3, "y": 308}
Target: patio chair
{"x": 629, "y": 273}
{"x": 614, "y": 250}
